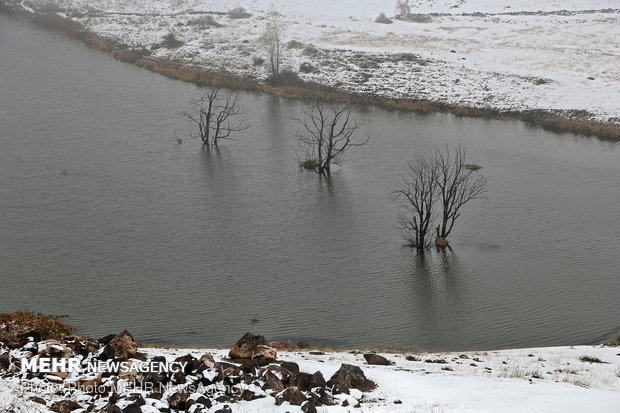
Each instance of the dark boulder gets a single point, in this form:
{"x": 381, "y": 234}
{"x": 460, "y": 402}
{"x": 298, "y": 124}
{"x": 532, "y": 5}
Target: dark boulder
{"x": 308, "y": 407}
{"x": 208, "y": 359}
{"x": 318, "y": 380}
{"x": 39, "y": 400}
{"x": 132, "y": 408}
{"x": 303, "y": 381}
{"x": 192, "y": 363}
{"x": 204, "y": 401}
{"x": 264, "y": 355}
{"x": 105, "y": 340}
{"x": 111, "y": 408}
{"x": 4, "y": 361}
{"x": 291, "y": 366}
{"x": 137, "y": 399}
{"x": 350, "y": 377}
{"x": 155, "y": 395}
{"x": 223, "y": 399}
{"x": 283, "y": 374}
{"x": 245, "y": 347}
{"x": 107, "y": 353}
{"x": 248, "y": 395}
{"x": 158, "y": 359}
{"x": 123, "y": 345}
{"x": 177, "y": 400}
{"x": 252, "y": 346}
{"x": 292, "y": 395}
{"x": 325, "y": 397}
{"x": 272, "y": 382}
{"x": 376, "y": 359}
{"x": 178, "y": 378}
{"x": 65, "y": 406}
{"x": 228, "y": 368}
{"x": 249, "y": 366}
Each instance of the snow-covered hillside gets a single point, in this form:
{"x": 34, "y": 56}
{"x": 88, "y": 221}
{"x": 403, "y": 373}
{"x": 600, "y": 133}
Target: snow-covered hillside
{"x": 335, "y": 10}
{"x": 513, "y": 55}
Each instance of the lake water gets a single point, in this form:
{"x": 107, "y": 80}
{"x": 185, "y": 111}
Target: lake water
{"x": 107, "y": 219}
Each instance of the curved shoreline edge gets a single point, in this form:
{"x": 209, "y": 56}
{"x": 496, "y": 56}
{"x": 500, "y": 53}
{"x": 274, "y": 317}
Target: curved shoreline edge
{"x": 296, "y": 88}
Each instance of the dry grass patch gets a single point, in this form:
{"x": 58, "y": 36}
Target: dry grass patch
{"x": 49, "y": 326}
{"x": 588, "y": 359}
{"x": 130, "y": 55}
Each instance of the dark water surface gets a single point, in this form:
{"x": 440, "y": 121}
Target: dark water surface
{"x": 105, "y": 218}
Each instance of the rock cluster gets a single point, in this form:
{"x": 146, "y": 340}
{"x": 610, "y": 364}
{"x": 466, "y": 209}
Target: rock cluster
{"x": 203, "y": 384}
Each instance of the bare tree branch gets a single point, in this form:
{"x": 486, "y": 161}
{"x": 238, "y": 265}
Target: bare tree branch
{"x": 216, "y": 115}
{"x": 272, "y": 38}
{"x": 326, "y": 133}
{"x": 416, "y": 191}
{"x": 440, "y": 184}
{"x": 457, "y": 186}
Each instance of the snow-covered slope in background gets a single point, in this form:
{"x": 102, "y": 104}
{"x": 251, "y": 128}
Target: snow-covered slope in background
{"x": 343, "y": 9}
{"x": 561, "y": 56}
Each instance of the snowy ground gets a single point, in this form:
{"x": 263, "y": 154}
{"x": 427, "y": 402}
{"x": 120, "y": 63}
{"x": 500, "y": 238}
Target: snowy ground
{"x": 521, "y": 54}
{"x": 525, "y": 380}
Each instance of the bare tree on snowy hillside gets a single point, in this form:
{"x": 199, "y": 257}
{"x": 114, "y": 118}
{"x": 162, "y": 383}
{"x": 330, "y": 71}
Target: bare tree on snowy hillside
{"x": 403, "y": 9}
{"x": 272, "y": 38}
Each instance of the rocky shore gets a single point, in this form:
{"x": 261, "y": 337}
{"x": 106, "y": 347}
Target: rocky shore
{"x": 250, "y": 371}
{"x": 256, "y": 375}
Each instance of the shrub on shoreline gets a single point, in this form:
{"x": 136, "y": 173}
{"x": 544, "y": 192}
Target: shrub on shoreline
{"x": 171, "y": 41}
{"x": 204, "y": 21}
{"x": 20, "y": 322}
{"x": 130, "y": 55}
{"x": 383, "y": 19}
{"x": 238, "y": 13}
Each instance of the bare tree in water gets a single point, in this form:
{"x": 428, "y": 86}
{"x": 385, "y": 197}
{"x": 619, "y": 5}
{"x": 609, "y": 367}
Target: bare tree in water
{"x": 417, "y": 193}
{"x": 458, "y": 183}
{"x": 216, "y": 116}
{"x": 326, "y": 133}
{"x": 436, "y": 188}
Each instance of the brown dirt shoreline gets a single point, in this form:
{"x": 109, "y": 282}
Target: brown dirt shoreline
{"x": 298, "y": 89}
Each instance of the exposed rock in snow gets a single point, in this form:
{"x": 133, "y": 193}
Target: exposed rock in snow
{"x": 559, "y": 379}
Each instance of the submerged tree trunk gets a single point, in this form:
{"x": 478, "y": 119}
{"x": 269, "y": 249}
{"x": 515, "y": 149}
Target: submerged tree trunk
{"x": 457, "y": 185}
{"x": 439, "y": 184}
{"x": 326, "y": 133}
{"x": 416, "y": 192}
{"x": 217, "y": 115}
